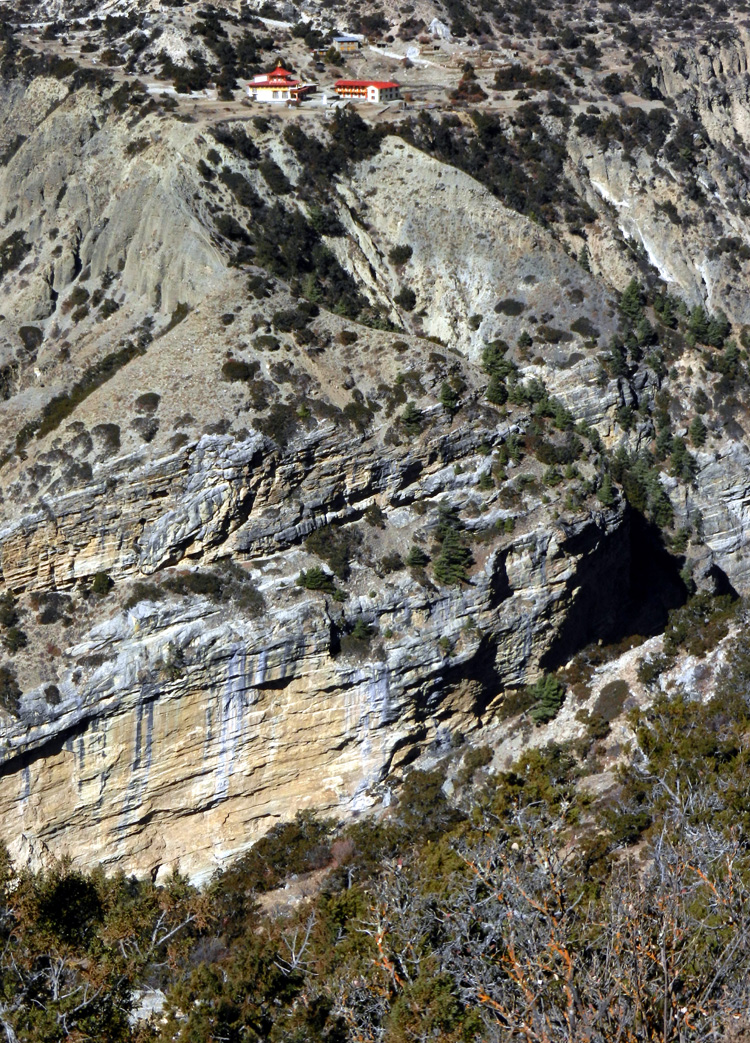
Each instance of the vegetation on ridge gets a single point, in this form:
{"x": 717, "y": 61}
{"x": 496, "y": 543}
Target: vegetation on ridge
{"x": 474, "y": 919}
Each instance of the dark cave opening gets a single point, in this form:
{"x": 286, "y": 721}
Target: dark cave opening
{"x": 656, "y": 586}
{"x": 633, "y": 586}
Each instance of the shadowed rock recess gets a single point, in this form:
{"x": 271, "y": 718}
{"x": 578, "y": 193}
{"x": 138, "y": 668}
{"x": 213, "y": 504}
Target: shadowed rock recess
{"x": 324, "y": 431}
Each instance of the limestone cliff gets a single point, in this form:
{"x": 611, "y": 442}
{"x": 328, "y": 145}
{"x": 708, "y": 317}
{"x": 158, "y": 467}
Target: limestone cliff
{"x": 311, "y": 443}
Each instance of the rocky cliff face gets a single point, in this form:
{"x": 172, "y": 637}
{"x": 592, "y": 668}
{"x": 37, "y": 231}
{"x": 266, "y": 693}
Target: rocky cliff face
{"x": 228, "y": 480}
{"x": 182, "y": 731}
{"x": 180, "y": 728}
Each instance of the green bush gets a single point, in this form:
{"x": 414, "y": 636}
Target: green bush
{"x": 585, "y": 328}
{"x": 392, "y": 562}
{"x": 136, "y": 146}
{"x": 549, "y": 695}
{"x": 375, "y": 516}
{"x": 300, "y": 846}
{"x": 275, "y": 177}
{"x": 101, "y": 584}
{"x": 8, "y": 610}
{"x": 109, "y": 307}
{"x": 148, "y": 402}
{"x": 649, "y": 670}
{"x": 109, "y": 435}
{"x": 448, "y": 398}
{"x": 236, "y": 370}
{"x": 613, "y": 84}
{"x": 552, "y": 335}
{"x": 473, "y": 759}
{"x": 228, "y": 582}
{"x": 406, "y": 298}
{"x": 357, "y": 642}
{"x": 12, "y": 252}
{"x": 31, "y": 337}
{"x": 292, "y": 319}
{"x": 597, "y": 727}
{"x": 52, "y": 695}
{"x": 78, "y": 296}
{"x": 399, "y": 255}
{"x": 15, "y": 639}
{"x": 316, "y": 579}
{"x": 281, "y": 424}
{"x": 53, "y": 606}
{"x": 611, "y": 699}
{"x": 202, "y": 584}
{"x": 144, "y": 592}
{"x": 267, "y": 342}
{"x": 509, "y": 306}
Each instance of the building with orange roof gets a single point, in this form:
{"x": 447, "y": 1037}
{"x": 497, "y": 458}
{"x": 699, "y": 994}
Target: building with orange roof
{"x": 368, "y": 90}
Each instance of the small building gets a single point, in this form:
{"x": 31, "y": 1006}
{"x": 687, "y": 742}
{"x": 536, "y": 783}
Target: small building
{"x": 347, "y": 44}
{"x": 279, "y": 86}
{"x": 368, "y": 90}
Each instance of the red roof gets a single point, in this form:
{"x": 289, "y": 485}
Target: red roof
{"x": 380, "y": 84}
{"x": 277, "y": 78}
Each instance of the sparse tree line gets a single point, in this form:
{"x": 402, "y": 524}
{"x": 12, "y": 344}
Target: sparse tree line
{"x": 522, "y": 909}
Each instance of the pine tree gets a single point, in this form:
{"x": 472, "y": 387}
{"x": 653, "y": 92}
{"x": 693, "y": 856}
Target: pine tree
{"x": 497, "y": 392}
{"x": 453, "y": 561}
{"x": 448, "y": 398}
{"x": 361, "y": 631}
{"x": 698, "y": 432}
{"x": 416, "y": 558}
{"x": 616, "y": 362}
{"x": 604, "y": 494}
{"x": 663, "y": 445}
{"x": 644, "y": 331}
{"x": 411, "y": 419}
{"x": 717, "y": 330}
{"x": 681, "y": 462}
{"x": 698, "y": 324}
{"x": 631, "y": 301}
{"x": 664, "y": 308}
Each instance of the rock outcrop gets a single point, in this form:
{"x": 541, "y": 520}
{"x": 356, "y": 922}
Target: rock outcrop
{"x": 182, "y": 732}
